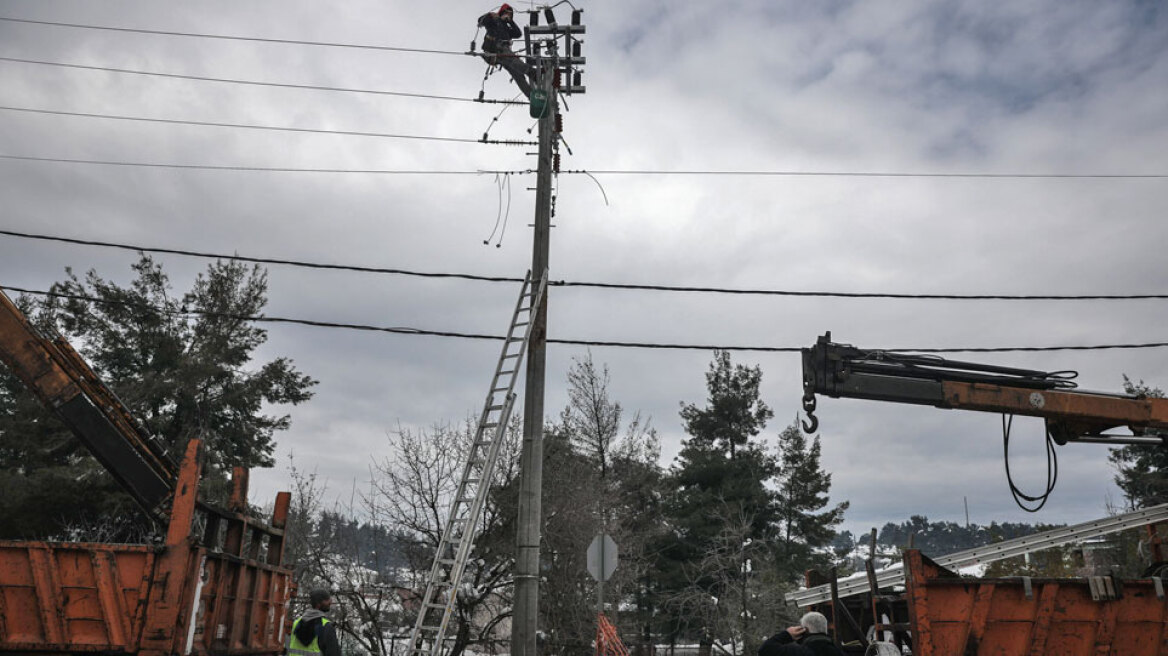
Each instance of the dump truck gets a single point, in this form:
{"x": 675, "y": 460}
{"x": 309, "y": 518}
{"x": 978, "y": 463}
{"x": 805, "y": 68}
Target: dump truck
{"x": 215, "y": 584}
{"x": 923, "y": 605}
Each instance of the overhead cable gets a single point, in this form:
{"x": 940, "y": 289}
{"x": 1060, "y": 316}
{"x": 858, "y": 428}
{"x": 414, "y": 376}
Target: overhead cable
{"x": 208, "y": 167}
{"x": 818, "y": 174}
{"x": 244, "y": 126}
{"x": 863, "y": 174}
{"x": 226, "y": 37}
{"x": 569, "y": 283}
{"x": 280, "y": 85}
{"x": 569, "y": 342}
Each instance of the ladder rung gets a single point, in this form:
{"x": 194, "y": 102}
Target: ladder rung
{"x": 442, "y": 606}
{"x": 430, "y": 628}
{"x": 499, "y": 389}
{"x": 490, "y": 425}
{"x": 513, "y": 355}
{"x": 447, "y": 561}
{"x": 492, "y": 408}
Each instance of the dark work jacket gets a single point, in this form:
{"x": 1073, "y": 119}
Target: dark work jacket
{"x": 776, "y": 646}
{"x": 499, "y": 31}
{"x": 819, "y": 644}
{"x": 311, "y": 627}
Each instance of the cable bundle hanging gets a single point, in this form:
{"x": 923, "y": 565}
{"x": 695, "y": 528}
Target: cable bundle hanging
{"x": 1021, "y": 497}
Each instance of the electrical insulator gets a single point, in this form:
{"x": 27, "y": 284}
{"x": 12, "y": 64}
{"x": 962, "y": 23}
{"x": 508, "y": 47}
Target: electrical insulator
{"x": 556, "y": 162}
{"x": 576, "y": 49}
{"x": 556, "y": 80}
{"x": 576, "y": 79}
{"x": 533, "y": 18}
{"x": 550, "y": 16}
{"x": 576, "y": 15}
{"x": 559, "y": 123}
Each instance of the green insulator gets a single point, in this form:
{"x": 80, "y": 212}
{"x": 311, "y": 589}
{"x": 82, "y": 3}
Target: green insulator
{"x": 539, "y": 103}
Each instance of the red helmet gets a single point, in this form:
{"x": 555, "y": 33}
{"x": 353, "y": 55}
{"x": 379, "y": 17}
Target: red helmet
{"x": 506, "y": 8}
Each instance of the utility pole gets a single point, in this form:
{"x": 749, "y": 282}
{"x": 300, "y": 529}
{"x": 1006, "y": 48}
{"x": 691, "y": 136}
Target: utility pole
{"x": 543, "y": 52}
{"x": 526, "y": 611}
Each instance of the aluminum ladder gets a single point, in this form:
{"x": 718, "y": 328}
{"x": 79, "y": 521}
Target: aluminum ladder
{"x": 894, "y": 575}
{"x": 441, "y": 595}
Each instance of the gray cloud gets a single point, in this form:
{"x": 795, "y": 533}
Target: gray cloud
{"x": 1039, "y": 86}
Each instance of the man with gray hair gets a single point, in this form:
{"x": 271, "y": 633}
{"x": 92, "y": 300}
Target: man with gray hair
{"x": 811, "y": 635}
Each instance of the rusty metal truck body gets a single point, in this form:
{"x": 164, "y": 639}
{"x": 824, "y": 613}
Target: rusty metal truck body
{"x": 215, "y": 584}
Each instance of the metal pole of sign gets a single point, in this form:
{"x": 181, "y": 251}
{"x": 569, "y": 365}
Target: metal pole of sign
{"x": 600, "y": 584}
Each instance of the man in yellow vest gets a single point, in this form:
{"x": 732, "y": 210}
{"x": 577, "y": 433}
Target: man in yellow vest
{"x": 313, "y": 634}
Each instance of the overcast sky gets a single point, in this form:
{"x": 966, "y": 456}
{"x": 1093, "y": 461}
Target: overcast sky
{"x": 1033, "y": 87}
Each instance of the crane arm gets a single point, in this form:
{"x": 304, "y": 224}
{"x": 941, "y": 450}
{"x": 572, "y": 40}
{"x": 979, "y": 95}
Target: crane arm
{"x": 844, "y": 371}
{"x": 53, "y": 371}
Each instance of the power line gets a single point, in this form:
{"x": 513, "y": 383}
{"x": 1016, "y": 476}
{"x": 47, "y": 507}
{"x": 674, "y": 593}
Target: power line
{"x": 281, "y": 85}
{"x": 208, "y": 167}
{"x": 865, "y": 174}
{"x": 567, "y": 283}
{"x": 247, "y": 126}
{"x": 759, "y": 173}
{"x": 568, "y": 342}
{"x": 225, "y": 37}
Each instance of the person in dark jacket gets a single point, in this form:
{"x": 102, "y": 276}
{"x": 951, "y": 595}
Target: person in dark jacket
{"x": 501, "y": 29}
{"x": 811, "y": 634}
{"x": 313, "y": 634}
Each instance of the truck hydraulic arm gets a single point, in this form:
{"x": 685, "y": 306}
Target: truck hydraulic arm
{"x": 843, "y": 371}
{"x": 65, "y": 384}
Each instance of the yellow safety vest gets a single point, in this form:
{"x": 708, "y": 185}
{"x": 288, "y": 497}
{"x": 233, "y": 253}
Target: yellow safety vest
{"x": 297, "y": 648}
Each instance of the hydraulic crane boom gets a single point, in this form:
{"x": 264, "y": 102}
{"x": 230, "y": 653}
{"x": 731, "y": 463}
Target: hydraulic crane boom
{"x": 64, "y": 383}
{"x": 844, "y": 371}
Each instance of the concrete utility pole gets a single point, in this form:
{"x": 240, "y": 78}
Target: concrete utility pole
{"x": 526, "y": 611}
{"x": 544, "y": 50}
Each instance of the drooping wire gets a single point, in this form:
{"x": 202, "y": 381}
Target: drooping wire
{"x": 506, "y": 214}
{"x": 501, "y": 181}
{"x": 491, "y": 125}
{"x": 602, "y": 192}
{"x": 1021, "y": 497}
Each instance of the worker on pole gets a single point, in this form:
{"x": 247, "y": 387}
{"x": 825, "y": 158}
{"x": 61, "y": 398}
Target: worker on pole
{"x": 501, "y": 29}
{"x": 313, "y": 634}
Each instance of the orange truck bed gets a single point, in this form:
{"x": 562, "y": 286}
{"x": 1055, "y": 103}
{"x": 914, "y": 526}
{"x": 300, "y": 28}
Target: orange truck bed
{"x": 941, "y": 613}
{"x": 223, "y": 595}
{"x": 952, "y": 615}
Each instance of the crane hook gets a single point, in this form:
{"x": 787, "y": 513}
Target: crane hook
{"x": 812, "y": 423}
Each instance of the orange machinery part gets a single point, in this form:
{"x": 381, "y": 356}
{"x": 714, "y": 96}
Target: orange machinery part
{"x": 951, "y": 615}
{"x": 184, "y": 597}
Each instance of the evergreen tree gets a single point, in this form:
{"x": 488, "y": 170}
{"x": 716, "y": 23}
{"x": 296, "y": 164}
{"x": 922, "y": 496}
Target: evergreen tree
{"x": 804, "y": 487}
{"x": 182, "y": 365}
{"x": 719, "y": 474}
{"x": 1142, "y": 470}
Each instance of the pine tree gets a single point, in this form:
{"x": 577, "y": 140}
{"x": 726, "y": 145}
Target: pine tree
{"x": 184, "y": 367}
{"x": 1142, "y": 470}
{"x": 804, "y": 487}
{"x": 720, "y": 473}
